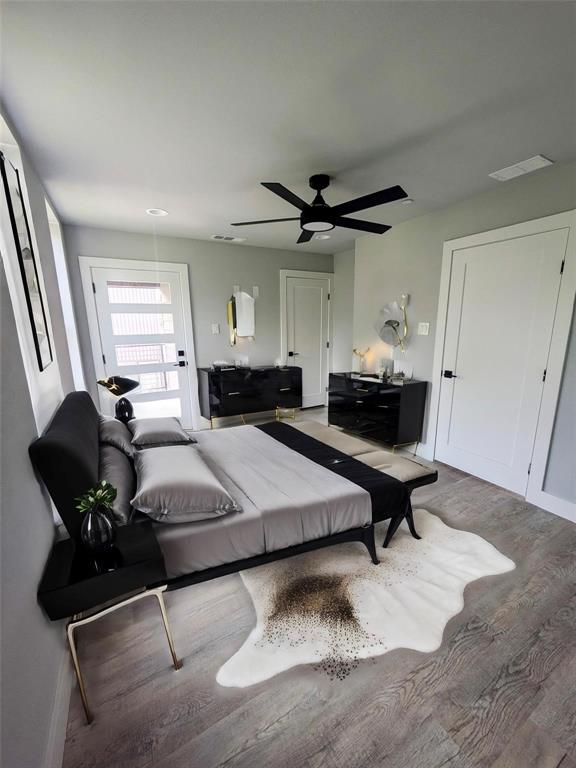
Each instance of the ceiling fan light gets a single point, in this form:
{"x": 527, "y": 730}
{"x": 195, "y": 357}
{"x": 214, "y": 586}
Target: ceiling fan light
{"x": 317, "y": 226}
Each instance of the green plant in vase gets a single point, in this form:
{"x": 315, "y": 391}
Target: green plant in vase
{"x": 98, "y": 529}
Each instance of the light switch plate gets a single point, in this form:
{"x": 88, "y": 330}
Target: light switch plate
{"x": 235, "y": 289}
{"x": 423, "y": 329}
{"x": 255, "y": 291}
{"x": 215, "y": 328}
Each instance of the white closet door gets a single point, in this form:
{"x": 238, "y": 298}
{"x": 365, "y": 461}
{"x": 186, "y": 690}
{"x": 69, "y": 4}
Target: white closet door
{"x": 308, "y": 334}
{"x": 501, "y": 308}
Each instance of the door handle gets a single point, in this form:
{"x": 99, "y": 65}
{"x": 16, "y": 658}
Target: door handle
{"x": 449, "y": 375}
{"x": 180, "y": 364}
{"x": 293, "y": 354}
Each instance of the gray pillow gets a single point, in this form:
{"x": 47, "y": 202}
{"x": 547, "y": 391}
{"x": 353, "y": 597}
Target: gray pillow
{"x": 175, "y": 485}
{"x": 114, "y": 432}
{"x": 117, "y": 468}
{"x": 149, "y": 433}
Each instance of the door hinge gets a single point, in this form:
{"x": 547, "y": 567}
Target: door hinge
{"x": 93, "y": 288}
{"x": 529, "y": 467}
{"x": 326, "y": 388}
{"x": 328, "y": 297}
{"x": 104, "y": 359}
{"x": 562, "y": 267}
{"x": 327, "y": 345}
{"x": 544, "y": 374}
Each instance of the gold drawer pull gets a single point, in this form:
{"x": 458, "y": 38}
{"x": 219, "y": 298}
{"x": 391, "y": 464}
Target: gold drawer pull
{"x": 285, "y": 389}
{"x": 232, "y": 393}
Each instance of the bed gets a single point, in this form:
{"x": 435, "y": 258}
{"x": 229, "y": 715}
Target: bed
{"x": 298, "y": 488}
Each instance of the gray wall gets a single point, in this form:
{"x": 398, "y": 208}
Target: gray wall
{"x": 214, "y": 268}
{"x": 409, "y": 257}
{"x": 343, "y": 311}
{"x": 32, "y": 647}
{"x": 560, "y": 479}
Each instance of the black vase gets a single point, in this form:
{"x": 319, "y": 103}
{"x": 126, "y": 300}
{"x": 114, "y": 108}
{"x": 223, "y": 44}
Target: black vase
{"x": 98, "y": 530}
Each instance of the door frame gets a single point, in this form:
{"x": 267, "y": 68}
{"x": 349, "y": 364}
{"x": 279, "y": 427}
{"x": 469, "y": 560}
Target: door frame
{"x": 565, "y": 308}
{"x": 87, "y": 263}
{"x": 558, "y": 344}
{"x": 284, "y": 275}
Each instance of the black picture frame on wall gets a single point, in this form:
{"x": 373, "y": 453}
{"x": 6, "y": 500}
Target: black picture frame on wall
{"x": 26, "y": 262}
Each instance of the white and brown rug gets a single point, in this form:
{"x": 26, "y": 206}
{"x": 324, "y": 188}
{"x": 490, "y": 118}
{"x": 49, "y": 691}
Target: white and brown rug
{"x": 332, "y": 607}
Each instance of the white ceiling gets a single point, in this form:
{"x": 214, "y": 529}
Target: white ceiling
{"x": 187, "y": 106}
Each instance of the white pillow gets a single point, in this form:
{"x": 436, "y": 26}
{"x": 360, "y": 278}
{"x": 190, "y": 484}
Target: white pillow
{"x": 166, "y": 430}
{"x": 175, "y": 485}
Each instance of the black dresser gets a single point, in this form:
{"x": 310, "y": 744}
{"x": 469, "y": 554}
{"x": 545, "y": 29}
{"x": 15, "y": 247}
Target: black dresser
{"x": 236, "y": 391}
{"x": 390, "y": 413}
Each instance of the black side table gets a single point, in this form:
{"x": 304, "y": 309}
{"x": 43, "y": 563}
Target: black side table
{"x": 75, "y": 582}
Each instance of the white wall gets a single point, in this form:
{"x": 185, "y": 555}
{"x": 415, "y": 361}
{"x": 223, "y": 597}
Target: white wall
{"x": 408, "y": 258}
{"x": 213, "y": 270}
{"x": 343, "y": 311}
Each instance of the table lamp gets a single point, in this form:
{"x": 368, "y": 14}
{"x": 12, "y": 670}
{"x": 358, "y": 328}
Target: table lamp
{"x": 118, "y": 386}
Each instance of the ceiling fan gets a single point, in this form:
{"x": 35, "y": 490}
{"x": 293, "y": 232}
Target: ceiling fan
{"x": 318, "y": 216}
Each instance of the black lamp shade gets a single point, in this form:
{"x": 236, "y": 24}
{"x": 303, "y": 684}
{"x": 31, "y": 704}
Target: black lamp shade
{"x": 118, "y": 385}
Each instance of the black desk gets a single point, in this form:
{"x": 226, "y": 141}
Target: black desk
{"x": 75, "y": 582}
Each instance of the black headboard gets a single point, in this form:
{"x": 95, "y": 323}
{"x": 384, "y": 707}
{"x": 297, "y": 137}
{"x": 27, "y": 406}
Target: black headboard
{"x": 66, "y": 456}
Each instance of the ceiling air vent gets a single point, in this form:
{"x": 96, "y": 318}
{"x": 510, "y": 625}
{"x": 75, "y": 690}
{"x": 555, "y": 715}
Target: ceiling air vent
{"x": 519, "y": 169}
{"x": 228, "y": 238}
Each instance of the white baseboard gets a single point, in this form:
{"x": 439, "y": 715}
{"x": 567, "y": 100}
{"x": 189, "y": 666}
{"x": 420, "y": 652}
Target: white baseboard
{"x": 57, "y": 733}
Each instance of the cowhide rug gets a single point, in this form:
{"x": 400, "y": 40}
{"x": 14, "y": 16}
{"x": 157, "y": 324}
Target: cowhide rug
{"x": 332, "y": 607}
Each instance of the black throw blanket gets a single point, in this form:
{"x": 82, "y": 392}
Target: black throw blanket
{"x": 389, "y": 496}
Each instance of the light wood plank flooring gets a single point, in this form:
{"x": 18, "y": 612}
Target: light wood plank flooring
{"x": 499, "y": 692}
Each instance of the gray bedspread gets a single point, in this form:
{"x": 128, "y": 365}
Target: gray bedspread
{"x": 286, "y": 499}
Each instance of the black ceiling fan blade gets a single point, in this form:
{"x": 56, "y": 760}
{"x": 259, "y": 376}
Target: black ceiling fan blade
{"x": 369, "y": 201}
{"x": 265, "y": 221}
{"x": 365, "y": 226}
{"x": 285, "y": 194}
{"x": 305, "y": 236}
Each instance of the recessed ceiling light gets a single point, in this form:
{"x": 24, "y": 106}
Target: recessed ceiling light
{"x": 407, "y": 201}
{"x": 156, "y": 212}
{"x": 322, "y": 237}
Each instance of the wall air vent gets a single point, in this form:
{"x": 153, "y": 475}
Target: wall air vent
{"x": 228, "y": 239}
{"x": 519, "y": 169}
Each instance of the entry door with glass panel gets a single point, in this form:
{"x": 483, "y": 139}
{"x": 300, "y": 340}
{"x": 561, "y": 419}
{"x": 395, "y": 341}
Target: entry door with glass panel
{"x": 143, "y": 337}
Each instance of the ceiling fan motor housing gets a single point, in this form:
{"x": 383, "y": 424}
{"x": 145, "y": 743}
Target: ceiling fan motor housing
{"x": 317, "y": 218}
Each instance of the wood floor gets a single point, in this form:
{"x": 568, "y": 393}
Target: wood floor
{"x": 500, "y": 691}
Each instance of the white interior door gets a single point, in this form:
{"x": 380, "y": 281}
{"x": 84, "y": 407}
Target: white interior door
{"x": 141, "y": 332}
{"x": 501, "y": 307}
{"x": 308, "y": 334}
